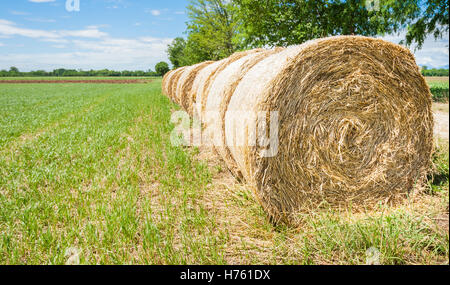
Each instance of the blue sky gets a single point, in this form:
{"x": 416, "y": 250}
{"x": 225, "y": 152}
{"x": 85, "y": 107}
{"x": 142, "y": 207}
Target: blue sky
{"x": 113, "y": 34}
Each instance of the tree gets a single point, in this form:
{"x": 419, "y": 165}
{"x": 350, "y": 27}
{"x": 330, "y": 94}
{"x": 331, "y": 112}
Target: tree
{"x": 420, "y": 18}
{"x": 213, "y": 30}
{"x": 162, "y": 68}
{"x": 288, "y": 22}
{"x": 13, "y": 70}
{"x": 176, "y": 52}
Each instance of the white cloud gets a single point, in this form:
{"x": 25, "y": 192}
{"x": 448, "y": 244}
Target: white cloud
{"x": 89, "y": 33}
{"x": 434, "y": 53}
{"x": 112, "y": 53}
{"x": 155, "y": 12}
{"x": 8, "y": 28}
{"x": 2, "y": 44}
{"x": 19, "y": 13}
{"x": 40, "y": 20}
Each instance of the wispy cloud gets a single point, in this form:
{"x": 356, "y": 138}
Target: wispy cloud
{"x": 86, "y": 49}
{"x": 434, "y": 53}
{"x": 19, "y": 13}
{"x": 41, "y": 1}
{"x": 8, "y": 28}
{"x": 155, "y": 12}
{"x": 41, "y": 20}
{"x": 112, "y": 53}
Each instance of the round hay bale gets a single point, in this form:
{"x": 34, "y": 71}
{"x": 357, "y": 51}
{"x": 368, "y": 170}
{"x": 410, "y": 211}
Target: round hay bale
{"x": 222, "y": 65}
{"x": 355, "y": 126}
{"x": 173, "y": 82}
{"x": 219, "y": 97}
{"x": 185, "y": 83}
{"x": 198, "y": 86}
{"x": 165, "y": 81}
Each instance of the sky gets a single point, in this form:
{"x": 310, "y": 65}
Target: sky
{"x": 113, "y": 34}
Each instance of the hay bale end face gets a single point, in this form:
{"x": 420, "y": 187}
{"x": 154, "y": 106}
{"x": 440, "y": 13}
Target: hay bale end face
{"x": 355, "y": 125}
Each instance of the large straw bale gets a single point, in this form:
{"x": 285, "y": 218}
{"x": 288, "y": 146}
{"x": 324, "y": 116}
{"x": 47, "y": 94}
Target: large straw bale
{"x": 355, "y": 125}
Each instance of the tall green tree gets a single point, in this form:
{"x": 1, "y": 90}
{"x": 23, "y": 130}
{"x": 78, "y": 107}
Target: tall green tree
{"x": 176, "y": 52}
{"x": 287, "y": 22}
{"x": 420, "y": 18}
{"x": 213, "y": 30}
{"x": 162, "y": 68}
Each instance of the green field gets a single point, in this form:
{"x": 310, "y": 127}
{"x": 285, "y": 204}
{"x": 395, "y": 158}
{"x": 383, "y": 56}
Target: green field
{"x": 37, "y": 78}
{"x": 439, "y": 88}
{"x": 89, "y": 168}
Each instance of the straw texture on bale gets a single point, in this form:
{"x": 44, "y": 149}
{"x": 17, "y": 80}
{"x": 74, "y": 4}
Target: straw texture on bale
{"x": 355, "y": 125}
{"x": 165, "y": 82}
{"x": 173, "y": 82}
{"x": 185, "y": 83}
{"x": 198, "y": 88}
{"x": 219, "y": 97}
{"x": 212, "y": 77}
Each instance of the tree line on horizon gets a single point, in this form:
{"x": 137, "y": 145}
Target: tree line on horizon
{"x": 160, "y": 69}
{"x": 218, "y": 28}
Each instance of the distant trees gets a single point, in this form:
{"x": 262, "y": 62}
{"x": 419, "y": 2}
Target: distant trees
{"x": 61, "y": 72}
{"x": 162, "y": 68}
{"x": 434, "y": 72}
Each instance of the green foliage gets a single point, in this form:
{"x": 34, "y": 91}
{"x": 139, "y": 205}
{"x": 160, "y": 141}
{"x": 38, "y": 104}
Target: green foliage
{"x": 288, "y": 22}
{"x": 434, "y": 72}
{"x": 176, "y": 52}
{"x": 213, "y": 30}
{"x": 420, "y": 18}
{"x": 440, "y": 92}
{"x": 162, "y": 68}
{"x": 439, "y": 88}
{"x": 213, "y": 33}
{"x": 61, "y": 72}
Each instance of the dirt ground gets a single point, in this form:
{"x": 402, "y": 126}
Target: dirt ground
{"x": 441, "y": 120}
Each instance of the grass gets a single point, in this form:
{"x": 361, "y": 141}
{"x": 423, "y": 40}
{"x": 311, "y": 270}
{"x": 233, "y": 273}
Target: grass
{"x": 89, "y": 168}
{"x": 439, "y": 88}
{"x": 75, "y": 78}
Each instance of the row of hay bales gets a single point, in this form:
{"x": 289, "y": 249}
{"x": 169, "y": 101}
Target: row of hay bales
{"x": 354, "y": 121}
